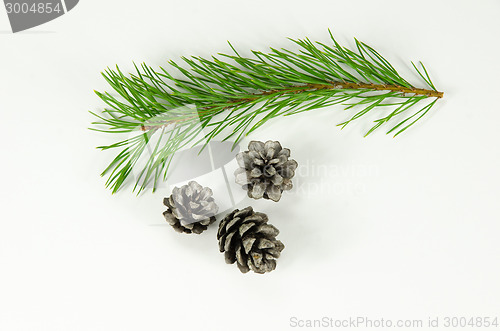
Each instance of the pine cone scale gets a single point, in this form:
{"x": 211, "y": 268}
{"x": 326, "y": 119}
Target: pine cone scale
{"x": 248, "y": 244}
{"x": 245, "y": 227}
{"x": 268, "y": 230}
{"x": 227, "y": 245}
{"x": 265, "y": 243}
{"x": 277, "y": 180}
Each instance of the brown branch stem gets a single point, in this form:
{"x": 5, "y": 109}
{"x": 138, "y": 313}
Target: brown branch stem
{"x": 316, "y": 87}
{"x": 349, "y": 86}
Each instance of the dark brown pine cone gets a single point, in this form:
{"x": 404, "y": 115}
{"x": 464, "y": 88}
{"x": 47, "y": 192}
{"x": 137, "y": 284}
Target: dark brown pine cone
{"x": 246, "y": 238}
{"x": 265, "y": 170}
{"x": 191, "y": 208}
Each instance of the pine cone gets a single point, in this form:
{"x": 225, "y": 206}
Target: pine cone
{"x": 247, "y": 239}
{"x": 265, "y": 170}
{"x": 191, "y": 208}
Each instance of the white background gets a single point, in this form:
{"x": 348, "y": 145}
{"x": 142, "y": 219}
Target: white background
{"x": 404, "y": 228}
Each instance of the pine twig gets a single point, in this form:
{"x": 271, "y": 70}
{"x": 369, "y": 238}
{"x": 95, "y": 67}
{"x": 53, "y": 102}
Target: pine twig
{"x": 233, "y": 96}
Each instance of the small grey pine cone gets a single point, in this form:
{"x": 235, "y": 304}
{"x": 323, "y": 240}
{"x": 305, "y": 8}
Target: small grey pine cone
{"x": 246, "y": 238}
{"x": 265, "y": 170}
{"x": 191, "y": 208}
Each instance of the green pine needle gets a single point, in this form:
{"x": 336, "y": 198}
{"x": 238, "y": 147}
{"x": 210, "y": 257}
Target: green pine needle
{"x": 230, "y": 96}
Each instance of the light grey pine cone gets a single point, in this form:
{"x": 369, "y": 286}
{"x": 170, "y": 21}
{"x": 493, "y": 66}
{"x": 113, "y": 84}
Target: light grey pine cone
{"x": 265, "y": 170}
{"x": 246, "y": 238}
{"x": 191, "y": 208}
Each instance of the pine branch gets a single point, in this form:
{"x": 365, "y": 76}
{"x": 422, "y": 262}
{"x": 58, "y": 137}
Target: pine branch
{"x": 231, "y": 96}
